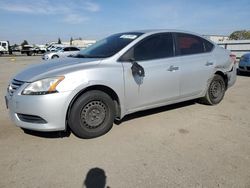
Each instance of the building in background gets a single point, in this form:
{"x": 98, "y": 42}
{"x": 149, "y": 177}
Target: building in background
{"x": 217, "y": 38}
{"x": 82, "y": 43}
{"x": 237, "y": 47}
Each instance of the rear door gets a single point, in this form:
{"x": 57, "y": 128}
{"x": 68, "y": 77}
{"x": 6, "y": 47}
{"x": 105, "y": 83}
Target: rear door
{"x": 197, "y": 63}
{"x": 161, "y": 82}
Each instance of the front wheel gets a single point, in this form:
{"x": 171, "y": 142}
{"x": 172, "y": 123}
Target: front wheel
{"x": 215, "y": 91}
{"x": 92, "y": 114}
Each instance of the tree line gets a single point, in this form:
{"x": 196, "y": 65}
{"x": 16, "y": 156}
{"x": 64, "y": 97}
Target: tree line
{"x": 240, "y": 35}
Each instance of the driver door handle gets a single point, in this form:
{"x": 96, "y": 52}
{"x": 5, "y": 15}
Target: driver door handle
{"x": 173, "y": 68}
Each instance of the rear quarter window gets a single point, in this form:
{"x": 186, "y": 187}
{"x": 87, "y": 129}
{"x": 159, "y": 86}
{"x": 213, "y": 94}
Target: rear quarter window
{"x": 208, "y": 46}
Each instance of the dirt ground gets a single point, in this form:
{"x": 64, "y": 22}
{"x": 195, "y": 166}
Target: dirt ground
{"x": 182, "y": 145}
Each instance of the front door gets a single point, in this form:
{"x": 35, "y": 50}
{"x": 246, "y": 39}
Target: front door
{"x": 161, "y": 81}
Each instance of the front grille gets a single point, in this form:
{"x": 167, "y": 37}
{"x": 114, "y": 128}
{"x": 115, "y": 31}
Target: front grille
{"x": 31, "y": 118}
{"x": 15, "y": 84}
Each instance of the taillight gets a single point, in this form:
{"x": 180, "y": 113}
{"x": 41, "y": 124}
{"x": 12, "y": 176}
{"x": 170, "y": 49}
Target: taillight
{"x": 233, "y": 57}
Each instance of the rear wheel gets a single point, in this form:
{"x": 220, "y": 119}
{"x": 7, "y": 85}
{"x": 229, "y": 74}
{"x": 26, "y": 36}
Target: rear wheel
{"x": 215, "y": 91}
{"x": 92, "y": 114}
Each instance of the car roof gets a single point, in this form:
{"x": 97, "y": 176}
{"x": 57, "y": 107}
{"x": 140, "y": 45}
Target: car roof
{"x": 155, "y": 31}
{"x": 163, "y": 30}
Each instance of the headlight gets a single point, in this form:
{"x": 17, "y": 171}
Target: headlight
{"x": 42, "y": 87}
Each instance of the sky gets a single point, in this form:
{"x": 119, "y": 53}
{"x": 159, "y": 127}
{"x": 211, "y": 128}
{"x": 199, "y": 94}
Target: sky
{"x": 42, "y": 21}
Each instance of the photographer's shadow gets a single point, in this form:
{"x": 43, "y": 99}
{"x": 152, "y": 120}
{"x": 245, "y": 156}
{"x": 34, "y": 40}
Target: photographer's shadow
{"x": 95, "y": 178}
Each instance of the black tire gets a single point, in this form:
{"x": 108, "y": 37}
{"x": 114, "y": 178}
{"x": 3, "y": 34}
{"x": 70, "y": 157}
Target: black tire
{"x": 92, "y": 114}
{"x": 215, "y": 91}
{"x": 54, "y": 56}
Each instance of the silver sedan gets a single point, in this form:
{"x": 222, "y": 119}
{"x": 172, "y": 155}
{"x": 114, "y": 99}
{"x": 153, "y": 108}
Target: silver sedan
{"x": 119, "y": 75}
{"x": 61, "y": 52}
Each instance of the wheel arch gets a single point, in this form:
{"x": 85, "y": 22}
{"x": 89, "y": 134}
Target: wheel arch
{"x": 102, "y": 88}
{"x": 54, "y": 55}
{"x": 224, "y": 76}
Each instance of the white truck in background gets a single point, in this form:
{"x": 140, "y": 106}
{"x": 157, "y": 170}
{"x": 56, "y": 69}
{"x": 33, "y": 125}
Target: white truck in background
{"x": 4, "y": 47}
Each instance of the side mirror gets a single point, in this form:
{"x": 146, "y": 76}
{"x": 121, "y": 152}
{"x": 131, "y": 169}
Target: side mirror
{"x": 137, "y": 69}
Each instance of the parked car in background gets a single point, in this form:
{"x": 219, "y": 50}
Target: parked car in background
{"x": 33, "y": 50}
{"x": 40, "y": 49}
{"x": 244, "y": 64}
{"x": 119, "y": 75}
{"x": 61, "y": 52}
{"x": 15, "y": 48}
{"x": 27, "y": 49}
{"x": 55, "y": 49}
{"x": 52, "y": 47}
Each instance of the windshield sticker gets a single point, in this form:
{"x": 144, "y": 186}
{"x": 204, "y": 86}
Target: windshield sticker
{"x": 128, "y": 36}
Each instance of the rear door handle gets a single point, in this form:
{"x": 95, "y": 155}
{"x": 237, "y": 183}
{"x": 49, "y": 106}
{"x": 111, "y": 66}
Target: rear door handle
{"x": 173, "y": 68}
{"x": 209, "y": 63}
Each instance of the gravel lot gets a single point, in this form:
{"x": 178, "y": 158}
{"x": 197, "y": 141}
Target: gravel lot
{"x": 182, "y": 145}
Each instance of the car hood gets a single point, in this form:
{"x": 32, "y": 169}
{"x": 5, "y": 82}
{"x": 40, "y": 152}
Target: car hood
{"x": 56, "y": 67}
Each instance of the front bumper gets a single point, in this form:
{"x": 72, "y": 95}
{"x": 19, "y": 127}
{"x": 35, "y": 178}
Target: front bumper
{"x": 244, "y": 68}
{"x": 45, "y": 57}
{"x": 52, "y": 108}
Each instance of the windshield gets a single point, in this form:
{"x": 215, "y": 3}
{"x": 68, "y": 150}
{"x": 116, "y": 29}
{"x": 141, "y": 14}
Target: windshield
{"x": 58, "y": 48}
{"x": 109, "y": 46}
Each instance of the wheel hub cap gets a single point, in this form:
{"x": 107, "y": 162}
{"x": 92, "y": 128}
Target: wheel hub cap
{"x": 216, "y": 89}
{"x": 93, "y": 114}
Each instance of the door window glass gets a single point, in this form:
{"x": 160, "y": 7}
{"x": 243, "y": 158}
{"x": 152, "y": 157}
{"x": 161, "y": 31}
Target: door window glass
{"x": 154, "y": 47}
{"x": 189, "y": 44}
{"x": 66, "y": 49}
